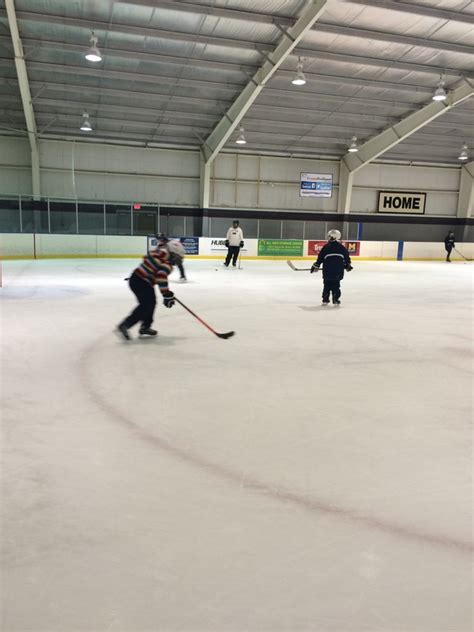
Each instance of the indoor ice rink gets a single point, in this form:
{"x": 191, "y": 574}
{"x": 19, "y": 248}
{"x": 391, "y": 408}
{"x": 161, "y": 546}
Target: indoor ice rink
{"x": 312, "y": 472}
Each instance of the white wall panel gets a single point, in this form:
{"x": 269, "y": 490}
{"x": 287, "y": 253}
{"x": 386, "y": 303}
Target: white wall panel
{"x": 15, "y": 245}
{"x": 98, "y": 172}
{"x": 15, "y": 180}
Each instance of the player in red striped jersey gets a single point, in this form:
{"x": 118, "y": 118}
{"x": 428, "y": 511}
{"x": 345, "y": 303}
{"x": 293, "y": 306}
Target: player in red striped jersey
{"x": 154, "y": 270}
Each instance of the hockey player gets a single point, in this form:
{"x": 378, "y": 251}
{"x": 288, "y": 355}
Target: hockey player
{"x": 162, "y": 239}
{"x": 234, "y": 241}
{"x": 449, "y": 245}
{"x": 334, "y": 257}
{"x": 155, "y": 269}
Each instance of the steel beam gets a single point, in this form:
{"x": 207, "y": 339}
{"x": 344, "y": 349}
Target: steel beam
{"x": 418, "y": 9}
{"x": 133, "y": 54}
{"x": 134, "y": 76}
{"x": 407, "y": 126}
{"x": 314, "y": 9}
{"x": 25, "y": 97}
{"x": 393, "y": 38}
{"x": 130, "y": 29}
{"x": 234, "y": 14}
{"x": 326, "y": 27}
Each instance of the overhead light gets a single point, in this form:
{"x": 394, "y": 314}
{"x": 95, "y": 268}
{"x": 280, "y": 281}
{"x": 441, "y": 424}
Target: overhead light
{"x": 86, "y": 124}
{"x": 353, "y": 145}
{"x": 464, "y": 155}
{"x": 440, "y": 93}
{"x": 241, "y": 140}
{"x": 93, "y": 54}
{"x": 300, "y": 79}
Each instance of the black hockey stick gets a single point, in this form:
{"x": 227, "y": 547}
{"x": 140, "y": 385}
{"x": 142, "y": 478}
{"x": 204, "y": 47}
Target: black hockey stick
{"x": 290, "y": 263}
{"x": 460, "y": 253}
{"x": 228, "y": 334}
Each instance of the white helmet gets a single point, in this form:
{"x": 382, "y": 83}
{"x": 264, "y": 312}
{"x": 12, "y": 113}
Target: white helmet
{"x": 334, "y": 235}
{"x": 175, "y": 248}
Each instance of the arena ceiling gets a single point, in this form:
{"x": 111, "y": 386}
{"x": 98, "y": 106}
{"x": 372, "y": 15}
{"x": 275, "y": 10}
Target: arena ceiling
{"x": 172, "y": 69}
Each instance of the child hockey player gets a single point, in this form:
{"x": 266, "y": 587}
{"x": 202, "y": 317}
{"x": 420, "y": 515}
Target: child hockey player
{"x": 234, "y": 241}
{"x": 155, "y": 269}
{"x": 334, "y": 258}
{"x": 449, "y": 245}
{"x": 162, "y": 239}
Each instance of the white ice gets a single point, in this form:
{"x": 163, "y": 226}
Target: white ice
{"x": 313, "y": 473}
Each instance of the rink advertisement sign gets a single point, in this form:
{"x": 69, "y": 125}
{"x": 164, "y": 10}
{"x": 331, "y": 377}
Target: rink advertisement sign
{"x": 280, "y": 247}
{"x": 218, "y": 244}
{"x": 314, "y": 247}
{"x": 191, "y": 244}
{"x": 410, "y": 202}
{"x": 316, "y": 185}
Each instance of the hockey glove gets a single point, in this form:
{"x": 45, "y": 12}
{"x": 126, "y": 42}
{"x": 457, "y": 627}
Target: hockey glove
{"x": 168, "y": 299}
{"x": 241, "y": 244}
{"x": 314, "y": 268}
{"x": 349, "y": 268}
{"x": 226, "y": 243}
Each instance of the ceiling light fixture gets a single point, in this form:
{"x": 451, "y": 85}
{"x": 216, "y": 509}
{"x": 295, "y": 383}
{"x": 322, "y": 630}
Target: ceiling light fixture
{"x": 440, "y": 93}
{"x": 86, "y": 124}
{"x": 353, "y": 145}
{"x": 300, "y": 79}
{"x": 464, "y": 155}
{"x": 241, "y": 140}
{"x": 93, "y": 54}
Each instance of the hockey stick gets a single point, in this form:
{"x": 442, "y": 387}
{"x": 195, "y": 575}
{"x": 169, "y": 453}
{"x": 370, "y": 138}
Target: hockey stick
{"x": 290, "y": 263}
{"x": 240, "y": 253}
{"x": 460, "y": 253}
{"x": 228, "y": 334}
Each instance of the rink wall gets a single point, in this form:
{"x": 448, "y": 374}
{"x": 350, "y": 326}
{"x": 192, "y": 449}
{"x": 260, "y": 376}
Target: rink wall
{"x": 47, "y": 246}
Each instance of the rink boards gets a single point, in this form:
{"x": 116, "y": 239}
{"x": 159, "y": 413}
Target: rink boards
{"x": 38, "y": 246}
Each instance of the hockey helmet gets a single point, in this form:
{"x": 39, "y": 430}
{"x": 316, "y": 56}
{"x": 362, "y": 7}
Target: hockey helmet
{"x": 334, "y": 235}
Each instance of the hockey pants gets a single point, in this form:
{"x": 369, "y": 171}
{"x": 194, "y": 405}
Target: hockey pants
{"x": 232, "y": 253}
{"x": 334, "y": 286}
{"x": 179, "y": 263}
{"x": 145, "y": 309}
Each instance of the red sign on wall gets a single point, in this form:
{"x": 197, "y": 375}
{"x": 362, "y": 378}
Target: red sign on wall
{"x": 137, "y": 207}
{"x": 314, "y": 247}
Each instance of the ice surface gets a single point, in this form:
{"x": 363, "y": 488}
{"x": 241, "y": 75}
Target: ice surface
{"x": 313, "y": 473}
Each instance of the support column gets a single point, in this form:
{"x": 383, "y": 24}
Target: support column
{"x": 26, "y": 99}
{"x": 346, "y": 180}
{"x": 204, "y": 183}
{"x": 466, "y": 199}
{"x": 466, "y": 191}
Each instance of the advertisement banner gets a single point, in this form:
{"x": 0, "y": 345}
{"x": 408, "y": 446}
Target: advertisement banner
{"x": 191, "y": 244}
{"x": 280, "y": 247}
{"x": 314, "y": 247}
{"x": 218, "y": 244}
{"x": 316, "y": 185}
{"x": 409, "y": 202}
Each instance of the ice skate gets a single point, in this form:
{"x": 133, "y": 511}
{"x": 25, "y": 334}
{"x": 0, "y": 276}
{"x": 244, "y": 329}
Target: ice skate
{"x": 325, "y": 303}
{"x": 123, "y": 331}
{"x": 183, "y": 280}
{"x": 147, "y": 331}
{"x": 336, "y": 302}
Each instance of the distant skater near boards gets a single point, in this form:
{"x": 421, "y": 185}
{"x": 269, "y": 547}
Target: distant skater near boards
{"x": 234, "y": 241}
